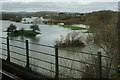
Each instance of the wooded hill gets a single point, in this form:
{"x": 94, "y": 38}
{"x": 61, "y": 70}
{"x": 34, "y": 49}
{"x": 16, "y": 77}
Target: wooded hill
{"x": 92, "y": 19}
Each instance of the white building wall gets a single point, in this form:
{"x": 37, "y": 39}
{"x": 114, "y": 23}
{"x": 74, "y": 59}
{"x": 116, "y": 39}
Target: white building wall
{"x": 34, "y": 19}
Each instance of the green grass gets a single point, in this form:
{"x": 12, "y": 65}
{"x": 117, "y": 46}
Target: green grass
{"x": 73, "y": 27}
{"x": 24, "y": 33}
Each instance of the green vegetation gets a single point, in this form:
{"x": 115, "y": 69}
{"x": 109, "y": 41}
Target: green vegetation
{"x": 34, "y": 27}
{"x": 13, "y": 32}
{"x": 11, "y": 28}
{"x": 73, "y": 27}
{"x": 23, "y": 33}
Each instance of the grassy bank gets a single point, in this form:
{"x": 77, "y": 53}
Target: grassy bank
{"x": 73, "y": 27}
{"x": 65, "y": 26}
{"x": 23, "y": 33}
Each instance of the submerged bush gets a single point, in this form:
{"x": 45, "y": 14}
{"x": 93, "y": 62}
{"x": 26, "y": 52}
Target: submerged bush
{"x": 71, "y": 40}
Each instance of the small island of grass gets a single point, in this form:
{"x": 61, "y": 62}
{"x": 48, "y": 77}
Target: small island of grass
{"x": 12, "y": 31}
{"x": 23, "y": 33}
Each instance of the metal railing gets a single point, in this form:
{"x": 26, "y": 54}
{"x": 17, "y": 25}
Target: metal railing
{"x": 56, "y": 56}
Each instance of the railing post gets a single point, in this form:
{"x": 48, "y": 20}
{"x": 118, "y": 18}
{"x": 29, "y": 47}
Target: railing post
{"x": 56, "y": 63}
{"x": 99, "y": 66}
{"x": 27, "y": 55}
{"x": 8, "y": 50}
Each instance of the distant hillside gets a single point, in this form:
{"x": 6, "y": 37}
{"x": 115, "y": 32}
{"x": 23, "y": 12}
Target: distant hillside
{"x": 92, "y": 19}
{"x": 100, "y": 18}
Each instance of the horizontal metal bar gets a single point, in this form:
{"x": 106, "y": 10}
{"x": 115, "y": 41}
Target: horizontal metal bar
{"x": 32, "y": 64}
{"x": 14, "y": 58}
{"x": 12, "y": 39}
{"x": 42, "y": 45}
{"x": 64, "y": 58}
{"x": 108, "y": 68}
{"x": 76, "y": 69}
{"x": 109, "y": 57}
{"x": 3, "y": 54}
{"x": 14, "y": 46}
{"x": 42, "y": 60}
{"x": 79, "y": 52}
{"x": 18, "y": 53}
{"x": 41, "y": 52}
{"x": 14, "y": 52}
{"x": 30, "y": 42}
{"x": 31, "y": 57}
{"x": 3, "y": 43}
{"x": 18, "y": 59}
{"x": 17, "y": 40}
{"x": 2, "y": 48}
{"x": 17, "y": 47}
{"x": 42, "y": 67}
{"x": 78, "y": 61}
{"x": 54, "y": 47}
{"x": 3, "y": 37}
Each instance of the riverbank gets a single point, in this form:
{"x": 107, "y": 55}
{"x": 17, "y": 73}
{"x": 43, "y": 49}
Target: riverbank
{"x": 71, "y": 27}
{"x": 74, "y": 28}
{"x": 67, "y": 26}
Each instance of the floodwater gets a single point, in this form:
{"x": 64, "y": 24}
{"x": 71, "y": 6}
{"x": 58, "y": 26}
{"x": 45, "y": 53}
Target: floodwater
{"x": 49, "y": 35}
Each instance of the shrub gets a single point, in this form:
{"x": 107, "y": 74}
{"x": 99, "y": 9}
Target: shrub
{"x": 35, "y": 27}
{"x": 11, "y": 28}
{"x": 71, "y": 40}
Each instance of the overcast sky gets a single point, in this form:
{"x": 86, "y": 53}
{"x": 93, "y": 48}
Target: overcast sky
{"x": 84, "y": 1}
{"x": 61, "y": 6}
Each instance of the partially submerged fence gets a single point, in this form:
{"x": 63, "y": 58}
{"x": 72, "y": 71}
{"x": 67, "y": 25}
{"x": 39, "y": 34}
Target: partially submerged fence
{"x": 56, "y": 57}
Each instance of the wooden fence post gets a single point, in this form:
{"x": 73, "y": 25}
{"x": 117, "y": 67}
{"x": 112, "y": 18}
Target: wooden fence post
{"x": 8, "y": 50}
{"x": 99, "y": 66}
{"x": 56, "y": 63}
{"x": 27, "y": 55}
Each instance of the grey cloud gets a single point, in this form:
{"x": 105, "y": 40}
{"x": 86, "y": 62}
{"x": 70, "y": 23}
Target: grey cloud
{"x": 58, "y": 6}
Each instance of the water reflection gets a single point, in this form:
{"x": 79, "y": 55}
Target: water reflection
{"x": 13, "y": 37}
{"x": 33, "y": 38}
{"x": 22, "y": 38}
